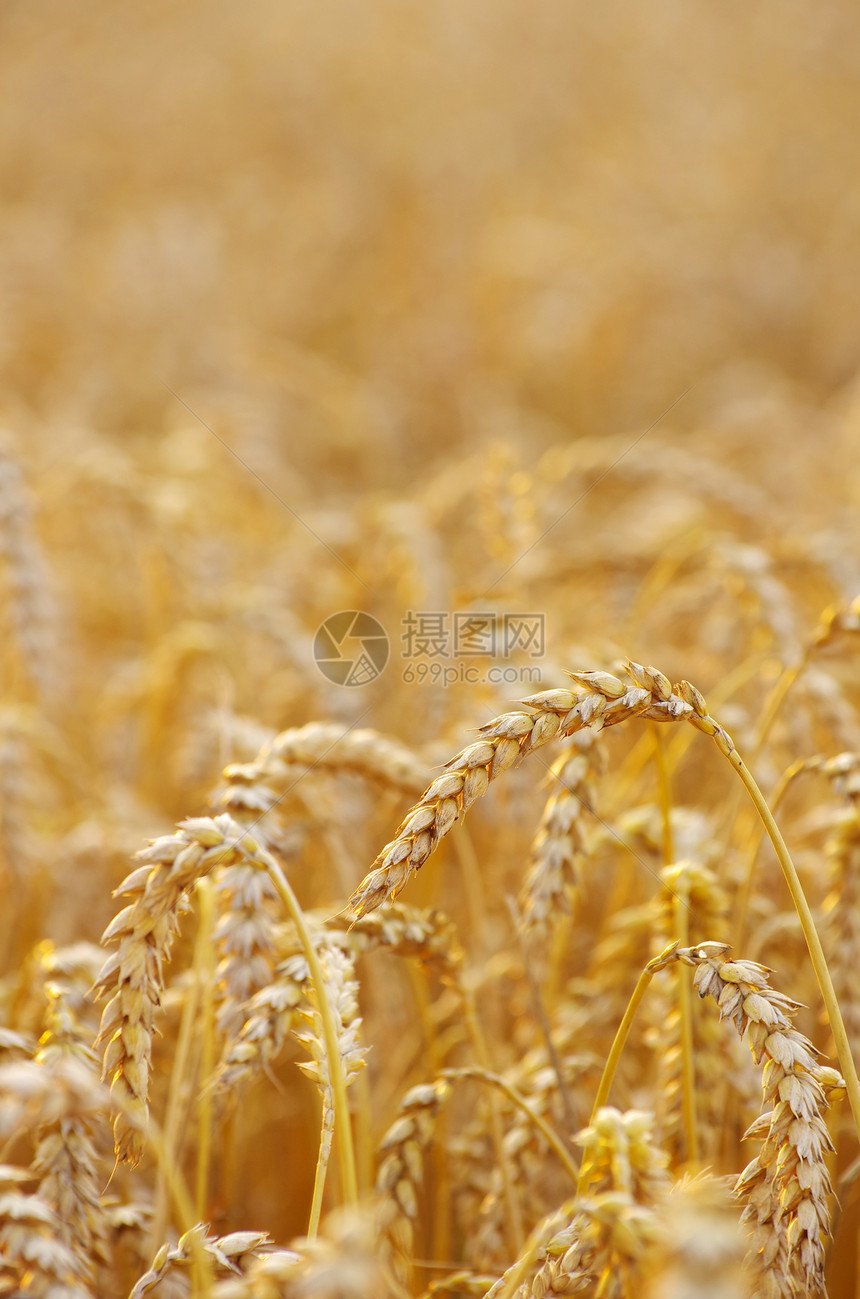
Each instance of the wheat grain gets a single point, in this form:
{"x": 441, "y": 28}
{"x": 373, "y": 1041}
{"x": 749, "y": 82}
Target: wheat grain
{"x": 270, "y": 1017}
{"x": 271, "y": 1014}
{"x": 66, "y": 1158}
{"x": 33, "y": 1258}
{"x": 554, "y": 877}
{"x": 341, "y": 1263}
{"x": 245, "y": 934}
{"x": 340, "y": 990}
{"x": 599, "y": 1238}
{"x": 232, "y": 1253}
{"x": 402, "y": 1160}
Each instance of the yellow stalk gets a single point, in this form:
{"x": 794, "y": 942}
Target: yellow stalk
{"x": 343, "y": 1130}
{"x": 810, "y": 933}
{"x": 547, "y": 1132}
{"x": 204, "y": 966}
{"x": 617, "y": 1048}
{"x": 685, "y": 1010}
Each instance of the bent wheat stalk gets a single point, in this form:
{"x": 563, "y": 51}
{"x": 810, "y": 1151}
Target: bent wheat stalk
{"x": 601, "y": 700}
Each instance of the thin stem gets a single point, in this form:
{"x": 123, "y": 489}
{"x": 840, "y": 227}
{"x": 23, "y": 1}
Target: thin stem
{"x": 473, "y": 888}
{"x": 319, "y": 1177}
{"x": 171, "y": 1175}
{"x": 618, "y": 1045}
{"x": 441, "y": 1223}
{"x": 550, "y": 1136}
{"x": 743, "y": 899}
{"x": 665, "y": 791}
{"x": 512, "y": 1205}
{"x": 343, "y": 1131}
{"x": 680, "y": 914}
{"x": 540, "y": 1009}
{"x": 810, "y": 933}
{"x": 776, "y": 699}
{"x": 766, "y": 720}
{"x": 170, "y": 1139}
{"x": 204, "y": 965}
{"x": 685, "y": 1010}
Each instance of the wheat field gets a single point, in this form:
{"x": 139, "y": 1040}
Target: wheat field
{"x": 429, "y": 629}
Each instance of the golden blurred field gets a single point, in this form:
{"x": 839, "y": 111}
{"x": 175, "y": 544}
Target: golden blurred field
{"x": 487, "y": 308}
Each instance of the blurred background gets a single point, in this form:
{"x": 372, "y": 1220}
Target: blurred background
{"x": 364, "y": 237}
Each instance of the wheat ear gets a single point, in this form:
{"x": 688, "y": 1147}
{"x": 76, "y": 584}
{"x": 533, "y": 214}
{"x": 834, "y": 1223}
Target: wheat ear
{"x": 145, "y": 930}
{"x": 785, "y": 1188}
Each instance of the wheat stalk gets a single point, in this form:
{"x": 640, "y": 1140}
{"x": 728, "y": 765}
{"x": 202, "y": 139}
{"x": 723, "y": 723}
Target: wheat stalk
{"x": 341, "y": 992}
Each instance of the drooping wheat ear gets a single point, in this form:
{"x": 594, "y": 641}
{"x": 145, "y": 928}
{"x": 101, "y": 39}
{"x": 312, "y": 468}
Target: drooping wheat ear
{"x": 341, "y": 991}
{"x": 145, "y": 930}
{"x": 324, "y": 748}
{"x": 601, "y": 700}
{"x": 785, "y": 1188}
{"x": 225, "y": 1254}
{"x": 401, "y": 1164}
{"x": 690, "y": 1056}
{"x": 343, "y": 1262}
{"x": 554, "y": 878}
